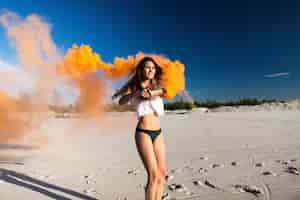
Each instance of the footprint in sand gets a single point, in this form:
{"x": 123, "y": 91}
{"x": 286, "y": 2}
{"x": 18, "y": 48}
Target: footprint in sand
{"x": 283, "y": 162}
{"x": 46, "y": 177}
{"x": 234, "y": 163}
{"x": 189, "y": 168}
{"x": 206, "y": 183}
{"x": 88, "y": 176}
{"x": 91, "y": 192}
{"x": 215, "y": 165}
{"x": 174, "y": 187}
{"x": 133, "y": 171}
{"x": 198, "y": 183}
{"x": 169, "y": 177}
{"x": 89, "y": 179}
{"x": 165, "y": 196}
{"x": 259, "y": 164}
{"x": 177, "y": 170}
{"x": 250, "y": 189}
{"x": 278, "y": 161}
{"x": 203, "y": 158}
{"x": 202, "y": 170}
{"x": 292, "y": 170}
{"x": 268, "y": 173}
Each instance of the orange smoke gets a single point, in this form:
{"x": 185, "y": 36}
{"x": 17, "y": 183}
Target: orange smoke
{"x": 81, "y": 64}
{"x": 80, "y": 61}
{"x": 15, "y": 124}
{"x": 36, "y": 50}
{"x": 173, "y": 71}
{"x": 37, "y": 54}
{"x": 7, "y": 102}
{"x": 11, "y": 126}
{"x": 173, "y": 74}
{"x": 92, "y": 92}
{"x": 31, "y": 38}
{"x": 121, "y": 67}
{"x": 39, "y": 57}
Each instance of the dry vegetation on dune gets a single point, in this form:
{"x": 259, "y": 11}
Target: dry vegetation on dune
{"x": 209, "y": 104}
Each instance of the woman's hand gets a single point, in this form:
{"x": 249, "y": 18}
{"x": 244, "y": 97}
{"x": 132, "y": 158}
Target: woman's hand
{"x": 146, "y": 93}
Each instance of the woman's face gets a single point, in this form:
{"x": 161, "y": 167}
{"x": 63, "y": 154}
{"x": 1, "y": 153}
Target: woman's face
{"x": 149, "y": 70}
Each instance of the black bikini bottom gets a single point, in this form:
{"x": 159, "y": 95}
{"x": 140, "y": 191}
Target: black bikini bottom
{"x": 152, "y": 133}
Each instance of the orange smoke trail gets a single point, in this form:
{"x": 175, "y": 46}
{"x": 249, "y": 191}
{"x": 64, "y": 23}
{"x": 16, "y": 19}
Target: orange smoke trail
{"x": 7, "y": 102}
{"x": 12, "y": 127}
{"x": 31, "y": 38}
{"x": 37, "y": 54}
{"x": 121, "y": 67}
{"x": 173, "y": 71}
{"x": 81, "y": 64}
{"x": 173, "y": 79}
{"x": 81, "y": 60}
{"x": 91, "y": 94}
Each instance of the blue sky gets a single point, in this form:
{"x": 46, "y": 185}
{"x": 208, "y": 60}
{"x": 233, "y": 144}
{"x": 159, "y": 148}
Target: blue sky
{"x": 231, "y": 49}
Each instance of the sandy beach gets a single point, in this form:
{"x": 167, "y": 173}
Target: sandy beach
{"x": 246, "y": 154}
{"x": 225, "y": 73}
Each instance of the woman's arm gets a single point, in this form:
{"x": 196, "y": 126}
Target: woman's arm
{"x": 157, "y": 92}
{"x": 126, "y": 98}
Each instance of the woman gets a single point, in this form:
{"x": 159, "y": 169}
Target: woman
{"x": 143, "y": 90}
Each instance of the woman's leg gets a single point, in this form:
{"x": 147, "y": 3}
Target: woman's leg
{"x": 145, "y": 148}
{"x": 159, "y": 150}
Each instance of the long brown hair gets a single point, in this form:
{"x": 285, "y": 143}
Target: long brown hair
{"x": 134, "y": 82}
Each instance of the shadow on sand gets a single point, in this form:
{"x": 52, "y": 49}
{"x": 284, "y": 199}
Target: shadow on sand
{"x": 16, "y": 147}
{"x": 28, "y": 182}
{"x": 8, "y": 155}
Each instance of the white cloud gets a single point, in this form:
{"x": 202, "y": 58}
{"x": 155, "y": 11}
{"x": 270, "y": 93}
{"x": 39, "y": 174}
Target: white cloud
{"x": 281, "y": 74}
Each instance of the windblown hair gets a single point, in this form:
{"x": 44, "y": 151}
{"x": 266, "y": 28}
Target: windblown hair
{"x": 134, "y": 83}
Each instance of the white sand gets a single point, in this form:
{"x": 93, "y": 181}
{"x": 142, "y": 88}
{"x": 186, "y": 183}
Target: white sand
{"x": 97, "y": 159}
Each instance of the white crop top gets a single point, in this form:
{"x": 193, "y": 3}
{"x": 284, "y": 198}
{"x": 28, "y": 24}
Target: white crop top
{"x": 154, "y": 104}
